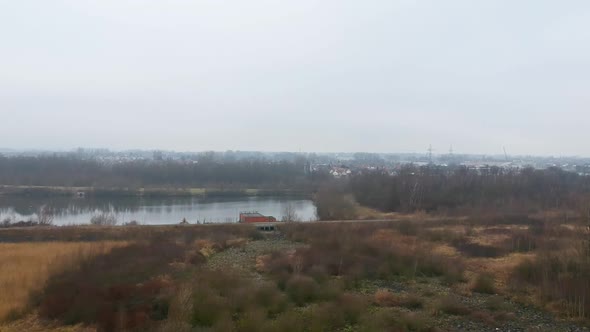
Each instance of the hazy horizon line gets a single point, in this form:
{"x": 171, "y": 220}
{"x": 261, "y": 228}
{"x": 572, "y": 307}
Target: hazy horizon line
{"x": 425, "y": 152}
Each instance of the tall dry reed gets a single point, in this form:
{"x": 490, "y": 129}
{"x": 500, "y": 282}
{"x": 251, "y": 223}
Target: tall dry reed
{"x": 25, "y": 267}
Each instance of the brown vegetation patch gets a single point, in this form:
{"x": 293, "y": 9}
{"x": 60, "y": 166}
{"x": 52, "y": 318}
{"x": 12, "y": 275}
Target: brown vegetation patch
{"x": 500, "y": 267}
{"x": 484, "y": 283}
{"x": 131, "y": 288}
{"x": 25, "y": 267}
{"x": 451, "y": 306}
{"x": 118, "y": 290}
{"x": 473, "y": 249}
{"x": 33, "y": 323}
{"x": 367, "y": 250}
{"x": 386, "y": 298}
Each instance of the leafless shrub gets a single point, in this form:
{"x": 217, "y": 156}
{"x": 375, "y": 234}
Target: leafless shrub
{"x": 359, "y": 251}
{"x": 131, "y": 223}
{"x": 45, "y": 215}
{"x": 385, "y": 298}
{"x": 334, "y": 204}
{"x": 289, "y": 213}
{"x": 559, "y": 277}
{"x": 104, "y": 219}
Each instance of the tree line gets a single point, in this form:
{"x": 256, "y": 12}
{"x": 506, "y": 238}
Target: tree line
{"x": 75, "y": 172}
{"x": 431, "y": 188}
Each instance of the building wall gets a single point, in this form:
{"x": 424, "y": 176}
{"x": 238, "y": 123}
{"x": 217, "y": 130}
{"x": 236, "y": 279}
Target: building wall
{"x": 257, "y": 219}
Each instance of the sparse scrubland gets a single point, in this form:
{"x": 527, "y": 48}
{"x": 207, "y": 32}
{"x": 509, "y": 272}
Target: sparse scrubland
{"x": 440, "y": 274}
{"x": 459, "y": 267}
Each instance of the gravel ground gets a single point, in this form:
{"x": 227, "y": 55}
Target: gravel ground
{"x": 522, "y": 318}
{"x": 244, "y": 259}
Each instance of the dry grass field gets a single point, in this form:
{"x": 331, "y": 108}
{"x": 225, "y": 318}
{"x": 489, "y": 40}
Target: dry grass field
{"x": 25, "y": 267}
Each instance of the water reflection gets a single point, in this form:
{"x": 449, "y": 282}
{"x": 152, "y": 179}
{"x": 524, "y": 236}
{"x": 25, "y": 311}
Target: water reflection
{"x": 152, "y": 210}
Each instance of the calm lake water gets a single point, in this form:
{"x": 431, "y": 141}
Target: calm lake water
{"x": 153, "y": 211}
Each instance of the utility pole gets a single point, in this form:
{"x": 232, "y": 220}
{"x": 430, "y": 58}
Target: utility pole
{"x": 430, "y": 153}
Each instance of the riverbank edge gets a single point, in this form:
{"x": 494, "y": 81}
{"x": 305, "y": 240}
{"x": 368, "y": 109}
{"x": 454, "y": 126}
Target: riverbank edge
{"x": 45, "y": 191}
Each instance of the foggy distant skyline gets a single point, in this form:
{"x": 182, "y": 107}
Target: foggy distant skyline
{"x": 313, "y": 76}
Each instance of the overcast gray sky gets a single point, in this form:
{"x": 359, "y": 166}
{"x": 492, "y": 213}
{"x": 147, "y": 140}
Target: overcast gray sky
{"x": 309, "y": 75}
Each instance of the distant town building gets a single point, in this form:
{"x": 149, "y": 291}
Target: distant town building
{"x": 339, "y": 172}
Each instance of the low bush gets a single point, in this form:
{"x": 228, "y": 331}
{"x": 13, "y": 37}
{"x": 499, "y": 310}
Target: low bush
{"x": 478, "y": 250}
{"x": 335, "y": 315}
{"x": 562, "y": 277}
{"x": 208, "y": 308}
{"x": 521, "y": 242}
{"x": 302, "y": 289}
{"x": 484, "y": 317}
{"x": 504, "y": 316}
{"x": 407, "y": 228}
{"x": 496, "y": 303}
{"x": 227, "y": 301}
{"x": 104, "y": 219}
{"x": 361, "y": 251}
{"x": 326, "y": 317}
{"x": 273, "y": 301}
{"x": 352, "y": 306}
{"x": 116, "y": 290}
{"x": 291, "y": 321}
{"x": 385, "y": 298}
{"x": 251, "y": 320}
{"x": 452, "y": 306}
{"x": 484, "y": 283}
{"x": 390, "y": 320}
{"x": 447, "y": 236}
{"x": 26, "y": 267}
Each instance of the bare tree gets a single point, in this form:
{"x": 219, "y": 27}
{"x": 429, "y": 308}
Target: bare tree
{"x": 104, "y": 219}
{"x": 6, "y": 222}
{"x": 333, "y": 203}
{"x": 289, "y": 213}
{"x": 45, "y": 215}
